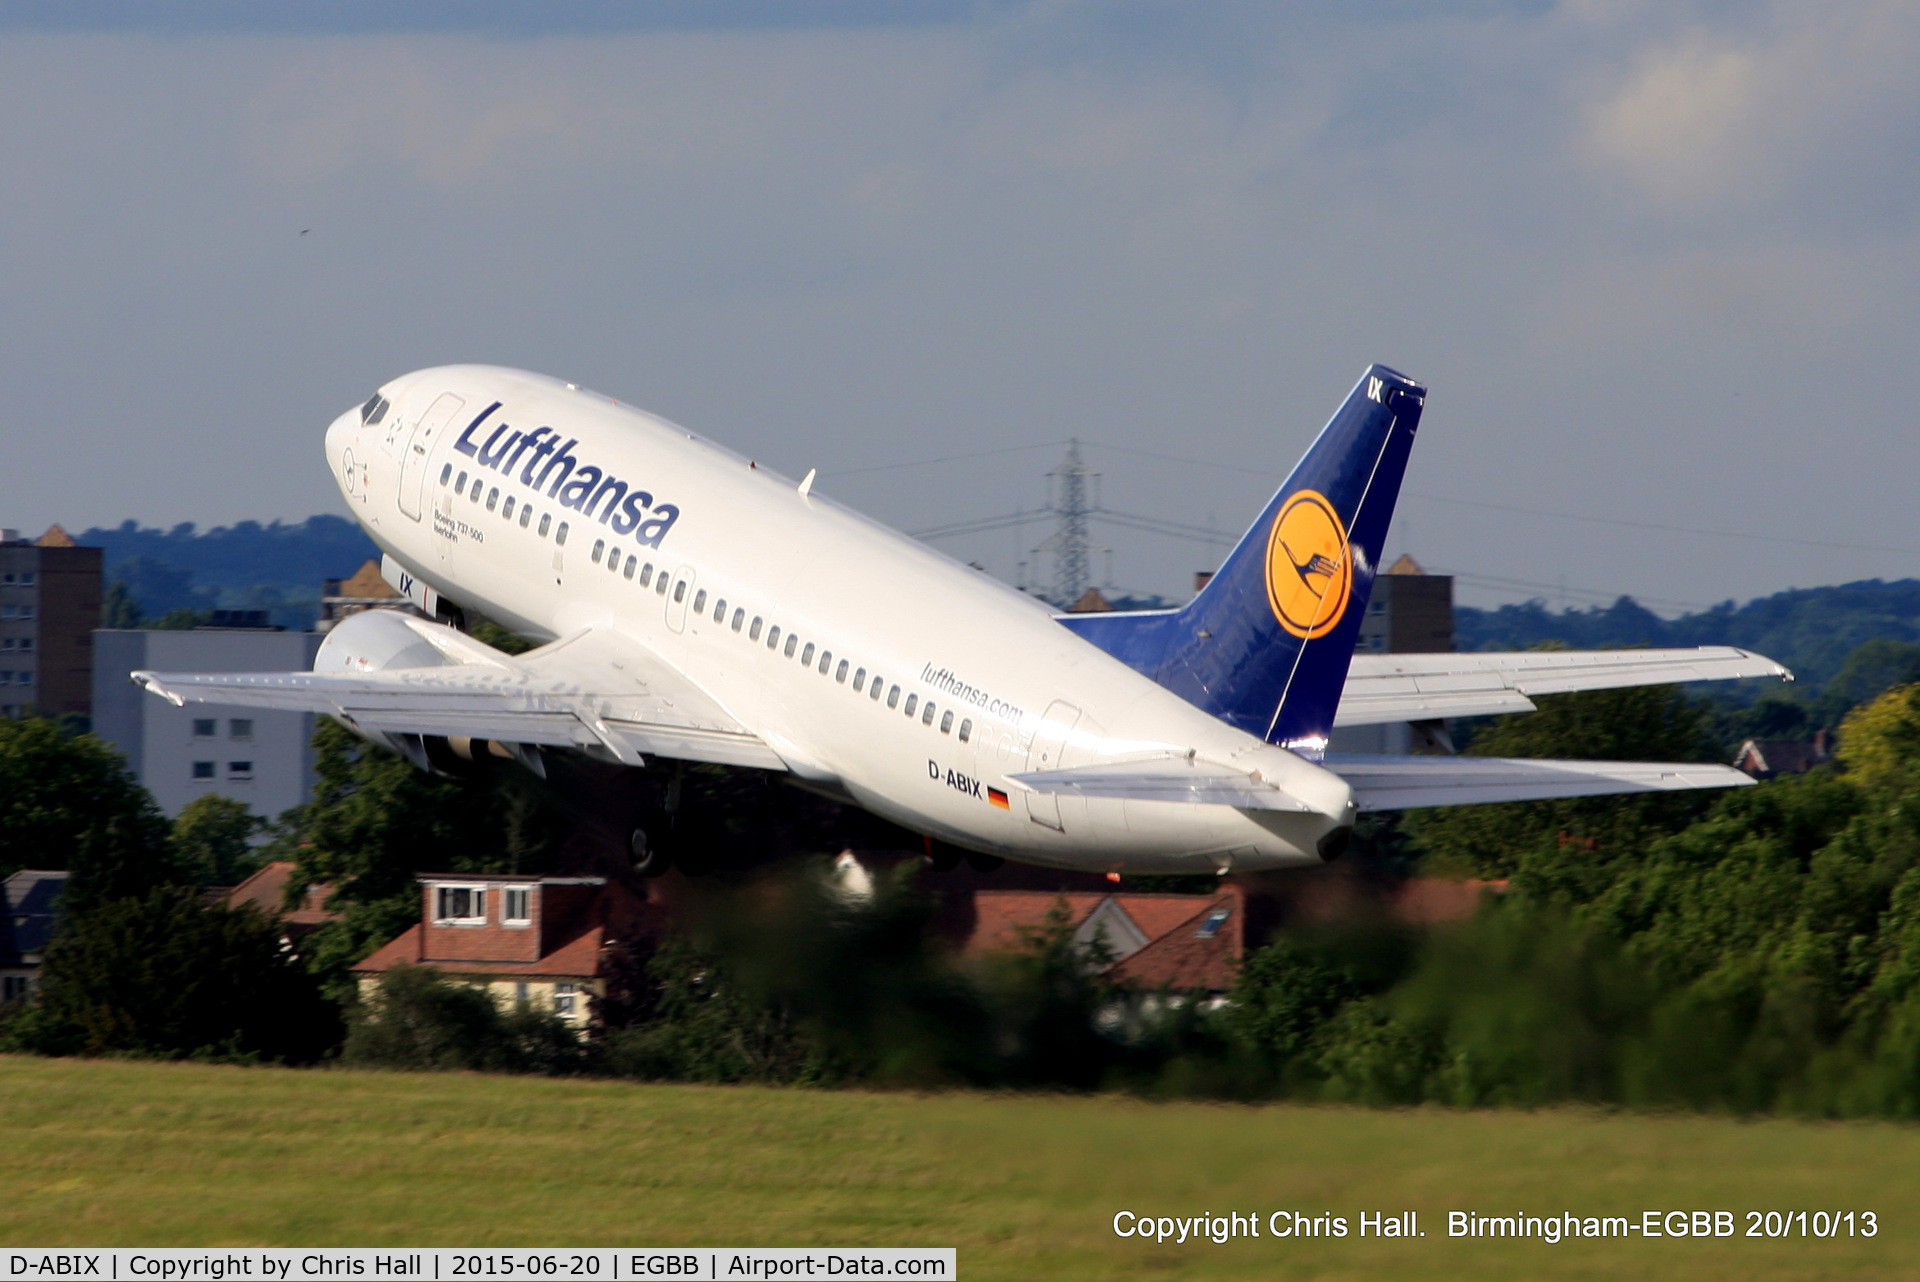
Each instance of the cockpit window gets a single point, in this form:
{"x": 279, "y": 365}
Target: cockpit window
{"x": 374, "y": 410}
{"x": 366, "y": 411}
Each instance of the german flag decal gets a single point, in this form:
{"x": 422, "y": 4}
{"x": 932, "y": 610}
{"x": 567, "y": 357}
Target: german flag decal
{"x": 997, "y": 797}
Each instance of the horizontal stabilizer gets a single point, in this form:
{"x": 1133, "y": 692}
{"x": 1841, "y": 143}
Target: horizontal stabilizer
{"x": 1382, "y": 782}
{"x": 1165, "y": 779}
{"x": 1424, "y": 687}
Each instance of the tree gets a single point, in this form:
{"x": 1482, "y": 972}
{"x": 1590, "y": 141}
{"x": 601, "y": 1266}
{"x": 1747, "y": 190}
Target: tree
{"x": 164, "y": 974}
{"x": 213, "y": 840}
{"x": 70, "y": 802}
{"x": 1566, "y": 845}
{"x": 119, "y": 609}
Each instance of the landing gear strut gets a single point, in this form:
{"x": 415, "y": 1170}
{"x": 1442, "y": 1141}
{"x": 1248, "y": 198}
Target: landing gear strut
{"x": 650, "y": 857}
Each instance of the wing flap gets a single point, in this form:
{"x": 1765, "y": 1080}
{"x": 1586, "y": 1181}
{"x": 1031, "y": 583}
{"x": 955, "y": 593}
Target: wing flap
{"x": 592, "y": 688}
{"x": 1406, "y": 783}
{"x": 1422, "y": 687}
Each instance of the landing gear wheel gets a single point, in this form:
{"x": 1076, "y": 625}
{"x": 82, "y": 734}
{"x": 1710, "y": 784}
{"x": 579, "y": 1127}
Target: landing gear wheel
{"x": 650, "y": 859}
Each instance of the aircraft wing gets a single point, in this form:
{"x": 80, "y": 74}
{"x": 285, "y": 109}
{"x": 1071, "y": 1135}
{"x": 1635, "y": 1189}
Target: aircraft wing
{"x": 1426, "y": 687}
{"x": 593, "y": 689}
{"x": 1383, "y": 782}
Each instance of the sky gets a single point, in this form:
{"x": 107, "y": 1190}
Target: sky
{"x": 1656, "y": 262}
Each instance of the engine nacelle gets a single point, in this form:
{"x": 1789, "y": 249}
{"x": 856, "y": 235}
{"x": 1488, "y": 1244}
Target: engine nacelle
{"x": 381, "y": 640}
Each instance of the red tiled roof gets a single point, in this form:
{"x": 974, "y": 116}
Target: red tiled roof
{"x": 578, "y": 958}
{"x": 1424, "y": 900}
{"x": 1178, "y": 958}
{"x": 266, "y": 890}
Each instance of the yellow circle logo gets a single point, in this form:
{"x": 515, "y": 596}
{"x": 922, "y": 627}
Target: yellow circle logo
{"x": 1309, "y": 573}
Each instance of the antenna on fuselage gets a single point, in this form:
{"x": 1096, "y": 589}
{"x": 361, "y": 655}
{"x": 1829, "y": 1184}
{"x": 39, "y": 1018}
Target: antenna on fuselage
{"x": 806, "y": 482}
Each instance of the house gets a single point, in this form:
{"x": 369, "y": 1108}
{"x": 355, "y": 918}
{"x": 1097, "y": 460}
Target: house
{"x": 1766, "y": 758}
{"x": 267, "y": 891}
{"x": 1148, "y": 941}
{"x": 544, "y": 942}
{"x": 366, "y": 590}
{"x": 28, "y": 900}
{"x": 49, "y": 607}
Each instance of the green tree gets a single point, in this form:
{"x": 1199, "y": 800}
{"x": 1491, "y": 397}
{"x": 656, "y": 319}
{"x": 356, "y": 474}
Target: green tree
{"x": 419, "y": 1020}
{"x": 213, "y": 840}
{"x": 119, "y": 608}
{"x": 1567, "y": 847}
{"x": 70, "y": 802}
{"x": 164, "y": 974}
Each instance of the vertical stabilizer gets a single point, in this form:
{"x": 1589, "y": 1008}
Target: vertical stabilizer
{"x": 1265, "y": 646}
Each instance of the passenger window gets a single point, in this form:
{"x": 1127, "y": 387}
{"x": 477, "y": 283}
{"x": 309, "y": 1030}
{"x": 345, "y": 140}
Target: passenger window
{"x": 446, "y": 470}
{"x": 720, "y": 610}
{"x": 753, "y": 633}
{"x": 679, "y": 592}
{"x": 460, "y": 486}
{"x": 859, "y": 679}
{"x": 806, "y": 655}
{"x": 646, "y": 574}
{"x": 546, "y": 519}
{"x": 506, "y": 509}
{"x": 874, "y": 692}
{"x": 599, "y": 546}
{"x": 966, "y": 730}
{"x": 739, "y": 617}
{"x": 699, "y": 601}
{"x": 926, "y": 714}
{"x": 478, "y": 485}
{"x": 613, "y": 562}
{"x": 893, "y": 696}
{"x": 792, "y": 641}
{"x": 660, "y": 584}
{"x": 526, "y": 514}
{"x": 560, "y": 535}
{"x": 773, "y": 636}
{"x": 946, "y": 723}
{"x": 826, "y": 661}
{"x": 840, "y": 673}
{"x": 911, "y": 700}
{"x": 633, "y": 563}
{"x": 493, "y": 498}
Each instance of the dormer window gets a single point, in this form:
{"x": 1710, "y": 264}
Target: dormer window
{"x": 518, "y": 907}
{"x": 459, "y": 905}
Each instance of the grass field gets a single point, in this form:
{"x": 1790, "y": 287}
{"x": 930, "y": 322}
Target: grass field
{"x": 119, "y": 1153}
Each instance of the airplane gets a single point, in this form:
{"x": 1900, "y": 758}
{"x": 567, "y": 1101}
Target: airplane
{"x": 696, "y": 607}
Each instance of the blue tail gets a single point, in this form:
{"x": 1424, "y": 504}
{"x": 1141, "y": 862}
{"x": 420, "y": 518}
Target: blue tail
{"x": 1265, "y": 646}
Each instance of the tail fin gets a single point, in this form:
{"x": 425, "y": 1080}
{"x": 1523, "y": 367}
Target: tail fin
{"x": 1265, "y": 646}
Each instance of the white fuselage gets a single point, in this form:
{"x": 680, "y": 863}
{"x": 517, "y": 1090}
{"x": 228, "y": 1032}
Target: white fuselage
{"x": 1028, "y": 694}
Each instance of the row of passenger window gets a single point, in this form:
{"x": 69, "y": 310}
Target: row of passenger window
{"x": 506, "y": 509}
{"x": 825, "y": 664}
{"x": 631, "y": 567}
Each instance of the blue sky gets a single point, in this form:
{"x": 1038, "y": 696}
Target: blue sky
{"x": 1657, "y": 263}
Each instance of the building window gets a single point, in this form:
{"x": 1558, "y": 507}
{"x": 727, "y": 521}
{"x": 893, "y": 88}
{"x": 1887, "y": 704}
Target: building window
{"x": 1211, "y": 926}
{"x": 518, "y": 909}
{"x": 460, "y": 905}
{"x": 26, "y": 612}
{"x": 15, "y": 987}
{"x": 565, "y": 1000}
{"x": 239, "y": 770}
{"x": 23, "y": 677}
{"x": 26, "y": 643}
{"x": 205, "y": 727}
{"x": 240, "y": 728}
{"x": 966, "y": 730}
{"x": 203, "y": 770}
{"x": 27, "y": 579}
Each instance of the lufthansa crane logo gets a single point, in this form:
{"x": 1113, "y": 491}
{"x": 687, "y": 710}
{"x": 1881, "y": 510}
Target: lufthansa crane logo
{"x": 1309, "y": 570}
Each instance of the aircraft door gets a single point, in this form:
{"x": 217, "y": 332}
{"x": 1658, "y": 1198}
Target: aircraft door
{"x": 677, "y": 596}
{"x": 418, "y": 454}
{"x": 1049, "y": 746}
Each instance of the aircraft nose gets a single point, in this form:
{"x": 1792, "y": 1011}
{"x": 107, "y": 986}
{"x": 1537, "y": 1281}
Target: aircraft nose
{"x": 340, "y": 435}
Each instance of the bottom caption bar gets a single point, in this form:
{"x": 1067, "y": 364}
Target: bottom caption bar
{"x": 429, "y": 1264}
